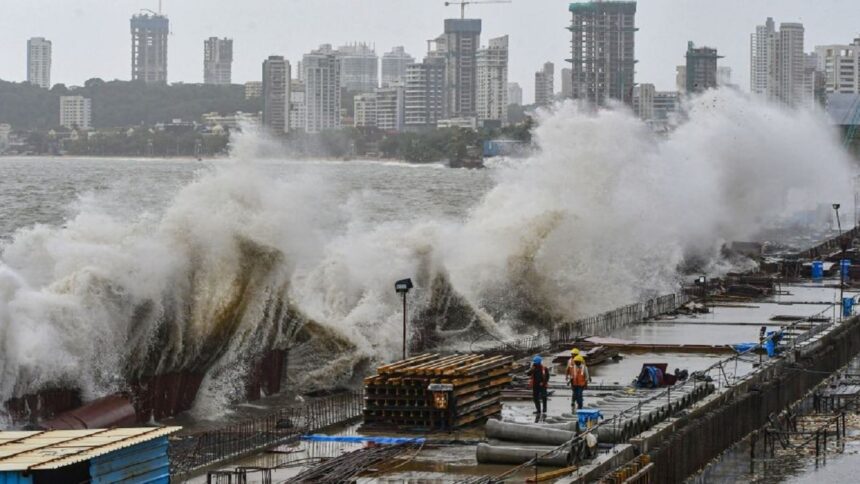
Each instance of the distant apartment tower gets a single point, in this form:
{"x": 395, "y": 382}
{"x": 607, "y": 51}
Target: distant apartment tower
{"x": 840, "y": 65}
{"x": 724, "y": 75}
{"x": 298, "y": 107}
{"x": 459, "y": 47}
{"x": 602, "y": 47}
{"x": 322, "y": 89}
{"x": 492, "y": 85}
{"x": 149, "y": 48}
{"x": 425, "y": 100}
{"x": 681, "y": 78}
{"x": 394, "y": 66}
{"x": 701, "y": 68}
{"x": 545, "y": 85}
{"x": 566, "y": 83}
{"x": 76, "y": 112}
{"x": 364, "y": 110}
{"x": 253, "y": 89}
{"x": 643, "y": 101}
{"x": 515, "y": 94}
{"x": 39, "y": 62}
{"x": 666, "y": 103}
{"x": 217, "y": 61}
{"x": 390, "y": 107}
{"x": 276, "y": 94}
{"x": 359, "y": 67}
{"x": 778, "y": 63}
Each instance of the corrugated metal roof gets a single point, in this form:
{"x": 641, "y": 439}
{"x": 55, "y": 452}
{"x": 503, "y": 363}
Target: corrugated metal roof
{"x": 44, "y": 450}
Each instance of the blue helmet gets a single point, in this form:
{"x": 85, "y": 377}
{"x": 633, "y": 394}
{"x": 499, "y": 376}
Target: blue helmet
{"x": 537, "y": 360}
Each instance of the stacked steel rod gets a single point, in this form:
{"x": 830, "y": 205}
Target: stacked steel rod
{"x": 350, "y": 465}
{"x": 465, "y": 389}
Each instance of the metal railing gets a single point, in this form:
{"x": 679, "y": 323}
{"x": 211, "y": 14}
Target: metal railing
{"x": 194, "y": 451}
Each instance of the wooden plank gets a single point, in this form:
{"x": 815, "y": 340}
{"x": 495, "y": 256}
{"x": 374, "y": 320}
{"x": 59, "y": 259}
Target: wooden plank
{"x": 552, "y": 475}
{"x": 492, "y": 410}
{"x": 387, "y": 369}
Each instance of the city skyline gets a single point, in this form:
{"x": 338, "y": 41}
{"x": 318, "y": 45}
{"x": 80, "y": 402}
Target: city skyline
{"x": 258, "y": 33}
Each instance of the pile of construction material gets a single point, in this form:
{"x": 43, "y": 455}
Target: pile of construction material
{"x": 434, "y": 392}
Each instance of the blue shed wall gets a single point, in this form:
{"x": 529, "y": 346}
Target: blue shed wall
{"x": 15, "y": 478}
{"x": 142, "y": 463}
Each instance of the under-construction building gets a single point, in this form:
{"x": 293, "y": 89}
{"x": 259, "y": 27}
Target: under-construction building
{"x": 149, "y": 48}
{"x": 459, "y": 46}
{"x": 602, "y": 51}
{"x": 701, "y": 68}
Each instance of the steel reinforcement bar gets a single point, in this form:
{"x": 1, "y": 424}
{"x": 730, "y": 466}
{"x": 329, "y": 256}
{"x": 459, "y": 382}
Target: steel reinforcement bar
{"x": 199, "y": 450}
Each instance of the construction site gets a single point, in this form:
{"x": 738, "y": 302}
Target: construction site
{"x": 753, "y": 369}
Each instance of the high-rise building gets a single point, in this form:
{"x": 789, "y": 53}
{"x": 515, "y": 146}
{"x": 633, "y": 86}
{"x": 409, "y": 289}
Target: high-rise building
{"x": 459, "y": 47}
{"x": 425, "y": 101}
{"x": 276, "y": 94}
{"x": 515, "y": 94}
{"x": 701, "y": 68}
{"x": 359, "y": 67}
{"x": 365, "y": 110}
{"x": 666, "y": 103}
{"x": 394, "y": 66}
{"x": 724, "y": 75}
{"x": 566, "y": 82}
{"x": 840, "y": 65}
{"x": 322, "y": 89}
{"x": 602, "y": 46}
{"x": 643, "y": 101}
{"x": 778, "y": 64}
{"x": 76, "y": 112}
{"x": 217, "y": 61}
{"x": 298, "y": 107}
{"x": 681, "y": 78}
{"x": 253, "y": 89}
{"x": 39, "y": 62}
{"x": 791, "y": 62}
{"x": 545, "y": 84}
{"x": 492, "y": 85}
{"x": 390, "y": 107}
{"x": 763, "y": 59}
{"x": 149, "y": 47}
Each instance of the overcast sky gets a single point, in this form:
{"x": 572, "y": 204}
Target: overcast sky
{"x": 91, "y": 37}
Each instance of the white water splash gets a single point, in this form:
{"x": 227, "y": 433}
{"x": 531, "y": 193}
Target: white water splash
{"x": 602, "y": 215}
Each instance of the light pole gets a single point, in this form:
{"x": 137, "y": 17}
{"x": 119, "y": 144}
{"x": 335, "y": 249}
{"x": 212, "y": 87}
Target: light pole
{"x": 402, "y": 287}
{"x": 841, "y": 259}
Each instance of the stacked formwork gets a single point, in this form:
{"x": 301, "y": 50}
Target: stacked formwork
{"x": 434, "y": 392}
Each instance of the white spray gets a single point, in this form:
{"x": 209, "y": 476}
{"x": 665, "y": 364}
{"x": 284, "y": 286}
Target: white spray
{"x": 602, "y": 215}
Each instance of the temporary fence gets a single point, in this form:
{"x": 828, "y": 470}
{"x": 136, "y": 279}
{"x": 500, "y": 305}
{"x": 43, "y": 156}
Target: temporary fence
{"x": 600, "y": 324}
{"x": 830, "y": 245}
{"x": 194, "y": 451}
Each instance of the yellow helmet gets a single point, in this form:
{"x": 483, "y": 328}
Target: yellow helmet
{"x": 574, "y": 351}
{"x": 578, "y": 359}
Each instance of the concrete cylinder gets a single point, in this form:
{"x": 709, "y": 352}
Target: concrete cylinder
{"x": 535, "y": 434}
{"x": 496, "y": 454}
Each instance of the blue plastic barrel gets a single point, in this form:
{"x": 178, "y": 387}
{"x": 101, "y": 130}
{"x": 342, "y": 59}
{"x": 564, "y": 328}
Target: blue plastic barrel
{"x": 817, "y": 269}
{"x": 847, "y": 307}
{"x": 845, "y": 265}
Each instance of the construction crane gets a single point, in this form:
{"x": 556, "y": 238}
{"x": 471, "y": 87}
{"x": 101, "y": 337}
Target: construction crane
{"x": 463, "y": 3}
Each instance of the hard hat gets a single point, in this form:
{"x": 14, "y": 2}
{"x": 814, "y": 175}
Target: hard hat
{"x": 537, "y": 360}
{"x": 574, "y": 351}
{"x": 578, "y": 359}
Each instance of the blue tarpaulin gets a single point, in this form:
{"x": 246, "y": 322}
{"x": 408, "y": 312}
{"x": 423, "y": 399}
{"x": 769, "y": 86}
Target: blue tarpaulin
{"x": 358, "y": 439}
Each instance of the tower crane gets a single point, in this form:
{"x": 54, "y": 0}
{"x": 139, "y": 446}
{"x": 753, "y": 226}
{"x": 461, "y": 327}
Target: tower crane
{"x": 463, "y": 3}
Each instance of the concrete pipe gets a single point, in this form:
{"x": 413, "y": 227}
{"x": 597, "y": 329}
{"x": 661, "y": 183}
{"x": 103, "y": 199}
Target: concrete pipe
{"x": 496, "y": 454}
{"x": 614, "y": 434}
{"x": 534, "y": 433}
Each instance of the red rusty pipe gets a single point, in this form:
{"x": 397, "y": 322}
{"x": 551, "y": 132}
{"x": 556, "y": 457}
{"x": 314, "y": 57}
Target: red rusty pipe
{"x": 106, "y": 412}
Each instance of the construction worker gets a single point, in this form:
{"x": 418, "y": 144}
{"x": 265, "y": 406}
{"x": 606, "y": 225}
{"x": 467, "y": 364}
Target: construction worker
{"x": 577, "y": 375}
{"x": 538, "y": 381}
{"x": 573, "y": 353}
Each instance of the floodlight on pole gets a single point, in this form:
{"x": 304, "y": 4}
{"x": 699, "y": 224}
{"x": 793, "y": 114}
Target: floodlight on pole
{"x": 402, "y": 287}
